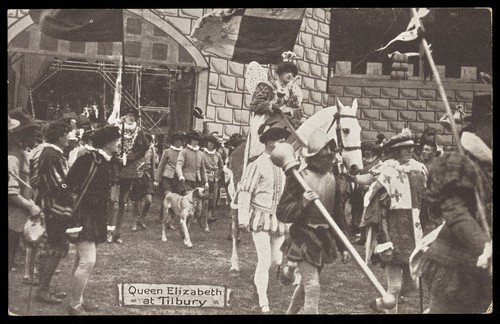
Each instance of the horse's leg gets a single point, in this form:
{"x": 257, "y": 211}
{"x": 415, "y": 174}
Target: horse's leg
{"x": 234, "y": 236}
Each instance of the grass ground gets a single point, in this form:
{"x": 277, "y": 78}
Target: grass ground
{"x": 144, "y": 258}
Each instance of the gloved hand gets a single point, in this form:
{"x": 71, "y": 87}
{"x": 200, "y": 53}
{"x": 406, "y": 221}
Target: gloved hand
{"x": 345, "y": 257}
{"x": 308, "y": 197}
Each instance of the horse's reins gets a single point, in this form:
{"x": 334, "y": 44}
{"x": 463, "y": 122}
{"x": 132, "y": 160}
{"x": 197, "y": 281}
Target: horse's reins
{"x": 340, "y": 143}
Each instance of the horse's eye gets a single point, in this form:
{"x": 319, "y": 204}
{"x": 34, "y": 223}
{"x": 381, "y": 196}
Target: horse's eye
{"x": 345, "y": 130}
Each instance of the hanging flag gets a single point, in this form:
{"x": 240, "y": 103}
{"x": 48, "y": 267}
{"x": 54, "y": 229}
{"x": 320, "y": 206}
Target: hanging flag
{"x": 80, "y": 25}
{"x": 114, "y": 117}
{"x": 246, "y": 35}
{"x": 405, "y": 36}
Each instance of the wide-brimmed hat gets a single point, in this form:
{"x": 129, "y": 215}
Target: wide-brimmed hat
{"x": 130, "y": 110}
{"x": 24, "y": 119}
{"x": 316, "y": 142}
{"x": 12, "y": 123}
{"x": 54, "y": 130}
{"x": 193, "y": 134}
{"x": 178, "y": 136}
{"x": 368, "y": 146}
{"x": 274, "y": 134}
{"x": 210, "y": 138}
{"x": 105, "y": 135}
{"x": 70, "y": 115}
{"x": 403, "y": 139}
{"x": 198, "y": 113}
{"x": 235, "y": 140}
{"x": 481, "y": 110}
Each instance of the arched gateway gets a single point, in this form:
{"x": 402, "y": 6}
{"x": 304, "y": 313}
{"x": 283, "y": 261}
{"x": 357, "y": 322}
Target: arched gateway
{"x": 165, "y": 74}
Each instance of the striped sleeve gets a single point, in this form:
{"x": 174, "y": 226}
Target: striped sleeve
{"x": 13, "y": 166}
{"x": 250, "y": 179}
{"x": 54, "y": 170}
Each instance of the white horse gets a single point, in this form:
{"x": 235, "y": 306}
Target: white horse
{"x": 340, "y": 123}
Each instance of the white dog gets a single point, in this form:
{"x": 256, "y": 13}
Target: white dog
{"x": 185, "y": 207}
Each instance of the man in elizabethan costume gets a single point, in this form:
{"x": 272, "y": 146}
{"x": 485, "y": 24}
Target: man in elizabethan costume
{"x": 393, "y": 203}
{"x": 90, "y": 180}
{"x": 458, "y": 265}
{"x": 263, "y": 183}
{"x": 134, "y": 147}
{"x": 310, "y": 241}
{"x": 214, "y": 164}
{"x": 55, "y": 199}
{"x": 165, "y": 173}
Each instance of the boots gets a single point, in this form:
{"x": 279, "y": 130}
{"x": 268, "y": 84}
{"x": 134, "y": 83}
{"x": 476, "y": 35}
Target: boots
{"x": 47, "y": 267}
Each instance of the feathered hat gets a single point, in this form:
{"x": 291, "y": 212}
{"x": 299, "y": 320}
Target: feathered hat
{"x": 403, "y": 139}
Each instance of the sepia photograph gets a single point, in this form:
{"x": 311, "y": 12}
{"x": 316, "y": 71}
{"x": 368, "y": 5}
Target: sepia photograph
{"x": 250, "y": 161}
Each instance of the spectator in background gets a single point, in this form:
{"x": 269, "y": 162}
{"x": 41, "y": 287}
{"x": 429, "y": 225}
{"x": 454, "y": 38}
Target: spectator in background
{"x": 190, "y": 168}
{"x": 165, "y": 175}
{"x": 371, "y": 158}
{"x": 213, "y": 164}
{"x": 143, "y": 189}
{"x": 20, "y": 197}
{"x": 84, "y": 146}
{"x": 429, "y": 153}
{"x": 134, "y": 147}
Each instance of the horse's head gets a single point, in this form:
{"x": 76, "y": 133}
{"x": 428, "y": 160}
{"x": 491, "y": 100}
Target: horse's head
{"x": 349, "y": 131}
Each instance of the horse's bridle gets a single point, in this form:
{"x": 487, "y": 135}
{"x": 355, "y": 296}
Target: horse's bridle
{"x": 336, "y": 118}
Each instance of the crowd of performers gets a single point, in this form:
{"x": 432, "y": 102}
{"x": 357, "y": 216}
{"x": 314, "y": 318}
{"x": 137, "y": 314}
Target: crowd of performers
{"x": 407, "y": 188}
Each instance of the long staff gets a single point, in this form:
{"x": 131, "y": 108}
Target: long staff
{"x": 425, "y": 45}
{"x": 283, "y": 156}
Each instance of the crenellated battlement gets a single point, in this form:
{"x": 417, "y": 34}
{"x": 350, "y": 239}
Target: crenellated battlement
{"x": 387, "y": 105}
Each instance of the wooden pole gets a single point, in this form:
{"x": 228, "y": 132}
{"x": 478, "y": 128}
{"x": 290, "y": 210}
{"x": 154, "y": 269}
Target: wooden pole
{"x": 373, "y": 280}
{"x": 425, "y": 45}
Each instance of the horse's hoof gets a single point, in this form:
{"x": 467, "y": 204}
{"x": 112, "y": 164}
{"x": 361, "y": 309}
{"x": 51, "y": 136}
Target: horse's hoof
{"x": 206, "y": 230}
{"x": 164, "y": 239}
{"x": 234, "y": 272}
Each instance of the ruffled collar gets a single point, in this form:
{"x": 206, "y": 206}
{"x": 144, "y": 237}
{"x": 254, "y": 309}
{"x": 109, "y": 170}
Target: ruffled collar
{"x": 475, "y": 146}
{"x": 411, "y": 165}
{"x": 178, "y": 149}
{"x": 55, "y": 147}
{"x": 104, "y": 154}
{"x": 194, "y": 148}
{"x": 212, "y": 152}
{"x": 130, "y": 126}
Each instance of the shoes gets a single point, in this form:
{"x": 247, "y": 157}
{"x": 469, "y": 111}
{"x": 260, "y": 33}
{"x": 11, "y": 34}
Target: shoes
{"x": 286, "y": 275}
{"x": 211, "y": 220}
{"x": 48, "y": 298}
{"x": 27, "y": 281}
{"x": 109, "y": 237}
{"x": 141, "y": 225}
{"x": 375, "y": 307}
{"x": 90, "y": 307}
{"x": 58, "y": 294}
{"x": 74, "y": 311}
{"x": 118, "y": 240}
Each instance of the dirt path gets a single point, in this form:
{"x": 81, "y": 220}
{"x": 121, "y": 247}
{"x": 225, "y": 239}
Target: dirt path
{"x": 144, "y": 258}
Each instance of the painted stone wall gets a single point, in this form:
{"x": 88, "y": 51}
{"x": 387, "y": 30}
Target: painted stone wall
{"x": 386, "y": 105}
